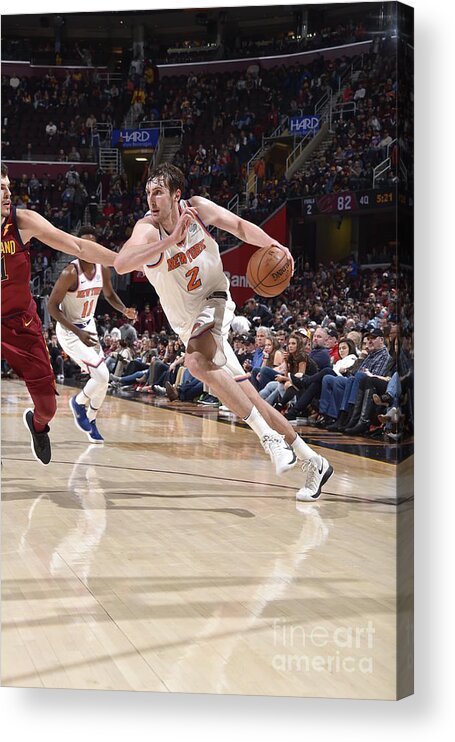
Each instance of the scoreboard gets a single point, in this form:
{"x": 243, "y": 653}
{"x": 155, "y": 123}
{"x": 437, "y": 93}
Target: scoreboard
{"x": 354, "y": 201}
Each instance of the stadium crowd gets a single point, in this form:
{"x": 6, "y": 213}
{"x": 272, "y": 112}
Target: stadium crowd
{"x": 334, "y": 350}
{"x": 336, "y": 347}
{"x": 224, "y": 117}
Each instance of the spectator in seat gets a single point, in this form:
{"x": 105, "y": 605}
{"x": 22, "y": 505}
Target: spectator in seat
{"x": 72, "y": 176}
{"x": 74, "y": 155}
{"x": 106, "y": 344}
{"x": 51, "y": 130}
{"x": 259, "y": 169}
{"x": 136, "y": 372}
{"x": 272, "y": 362}
{"x": 332, "y": 345}
{"x": 118, "y": 361}
{"x": 79, "y": 203}
{"x": 310, "y": 386}
{"x": 244, "y": 350}
{"x": 339, "y": 394}
{"x": 377, "y": 384}
{"x": 57, "y": 361}
{"x": 262, "y": 333}
{"x": 90, "y": 121}
{"x": 127, "y": 333}
{"x": 146, "y": 321}
{"x": 319, "y": 352}
{"x": 188, "y": 391}
{"x": 295, "y": 361}
{"x": 257, "y": 313}
{"x": 159, "y": 317}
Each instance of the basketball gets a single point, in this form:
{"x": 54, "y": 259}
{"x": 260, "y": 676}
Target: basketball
{"x": 269, "y": 271}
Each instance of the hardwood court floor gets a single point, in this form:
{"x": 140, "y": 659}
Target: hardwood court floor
{"x": 173, "y": 559}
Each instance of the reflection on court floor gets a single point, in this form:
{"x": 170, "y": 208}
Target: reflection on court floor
{"x": 173, "y": 559}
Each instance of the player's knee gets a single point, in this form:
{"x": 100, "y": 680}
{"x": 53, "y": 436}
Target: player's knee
{"x": 196, "y": 364}
{"x": 191, "y": 363}
{"x": 101, "y": 375}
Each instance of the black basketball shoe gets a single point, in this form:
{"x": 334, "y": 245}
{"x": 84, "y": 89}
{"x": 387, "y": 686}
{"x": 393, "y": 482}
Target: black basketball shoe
{"x": 40, "y": 442}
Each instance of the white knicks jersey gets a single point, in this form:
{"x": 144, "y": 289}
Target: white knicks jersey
{"x": 79, "y": 306}
{"x": 185, "y": 275}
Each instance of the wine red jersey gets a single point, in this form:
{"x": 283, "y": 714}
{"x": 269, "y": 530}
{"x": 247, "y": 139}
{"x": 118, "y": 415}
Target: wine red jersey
{"x": 16, "y": 269}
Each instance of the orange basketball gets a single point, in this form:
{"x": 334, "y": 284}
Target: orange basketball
{"x": 269, "y": 271}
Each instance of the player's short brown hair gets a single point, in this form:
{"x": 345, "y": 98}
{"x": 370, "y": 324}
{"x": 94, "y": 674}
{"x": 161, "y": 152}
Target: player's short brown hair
{"x": 88, "y": 229}
{"x": 171, "y": 176}
{"x": 4, "y": 171}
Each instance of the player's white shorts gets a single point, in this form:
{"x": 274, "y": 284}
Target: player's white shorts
{"x": 80, "y": 353}
{"x": 215, "y": 316}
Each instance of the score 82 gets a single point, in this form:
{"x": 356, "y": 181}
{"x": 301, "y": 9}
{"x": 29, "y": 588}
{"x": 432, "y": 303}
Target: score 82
{"x": 344, "y": 203}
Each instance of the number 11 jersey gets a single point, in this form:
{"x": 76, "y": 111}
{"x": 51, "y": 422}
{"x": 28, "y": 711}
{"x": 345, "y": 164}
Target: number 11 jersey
{"x": 79, "y": 306}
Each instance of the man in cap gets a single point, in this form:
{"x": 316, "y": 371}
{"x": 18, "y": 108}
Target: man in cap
{"x": 349, "y": 411}
{"x": 372, "y": 379}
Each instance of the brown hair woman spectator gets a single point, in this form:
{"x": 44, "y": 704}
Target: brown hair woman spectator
{"x": 272, "y": 362}
{"x": 295, "y": 361}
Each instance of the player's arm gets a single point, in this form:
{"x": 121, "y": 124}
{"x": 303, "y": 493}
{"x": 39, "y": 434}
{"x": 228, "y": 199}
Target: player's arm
{"x": 67, "y": 281}
{"x": 32, "y": 224}
{"x": 218, "y": 216}
{"x": 113, "y": 298}
{"x": 141, "y": 248}
{"x": 145, "y": 243}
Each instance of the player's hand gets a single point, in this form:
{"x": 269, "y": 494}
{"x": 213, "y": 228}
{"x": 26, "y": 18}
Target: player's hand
{"x": 89, "y": 340}
{"x": 287, "y": 251}
{"x": 131, "y": 313}
{"x": 180, "y": 230}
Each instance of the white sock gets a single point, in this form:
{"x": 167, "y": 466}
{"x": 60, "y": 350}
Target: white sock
{"x": 82, "y": 398}
{"x": 302, "y": 450}
{"x": 91, "y": 413}
{"x": 258, "y": 424}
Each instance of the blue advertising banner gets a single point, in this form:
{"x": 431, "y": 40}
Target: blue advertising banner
{"x": 138, "y": 138}
{"x": 304, "y": 124}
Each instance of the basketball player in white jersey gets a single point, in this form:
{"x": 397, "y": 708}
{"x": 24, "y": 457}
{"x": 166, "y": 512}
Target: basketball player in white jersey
{"x": 180, "y": 258}
{"x": 72, "y": 304}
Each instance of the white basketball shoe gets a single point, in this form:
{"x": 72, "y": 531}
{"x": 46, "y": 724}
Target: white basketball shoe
{"x": 318, "y": 471}
{"x": 281, "y": 453}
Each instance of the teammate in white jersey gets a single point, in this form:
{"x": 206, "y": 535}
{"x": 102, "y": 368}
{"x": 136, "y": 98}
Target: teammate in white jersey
{"x": 181, "y": 259}
{"x": 72, "y": 304}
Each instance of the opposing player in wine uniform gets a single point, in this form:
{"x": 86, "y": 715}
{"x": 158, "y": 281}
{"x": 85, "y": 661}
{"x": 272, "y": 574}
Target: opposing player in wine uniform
{"x": 72, "y": 304}
{"x": 23, "y": 345}
{"x": 181, "y": 259}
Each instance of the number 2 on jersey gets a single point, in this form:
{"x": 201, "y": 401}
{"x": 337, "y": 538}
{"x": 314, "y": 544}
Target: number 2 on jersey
{"x": 194, "y": 281}
{"x": 87, "y": 309}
